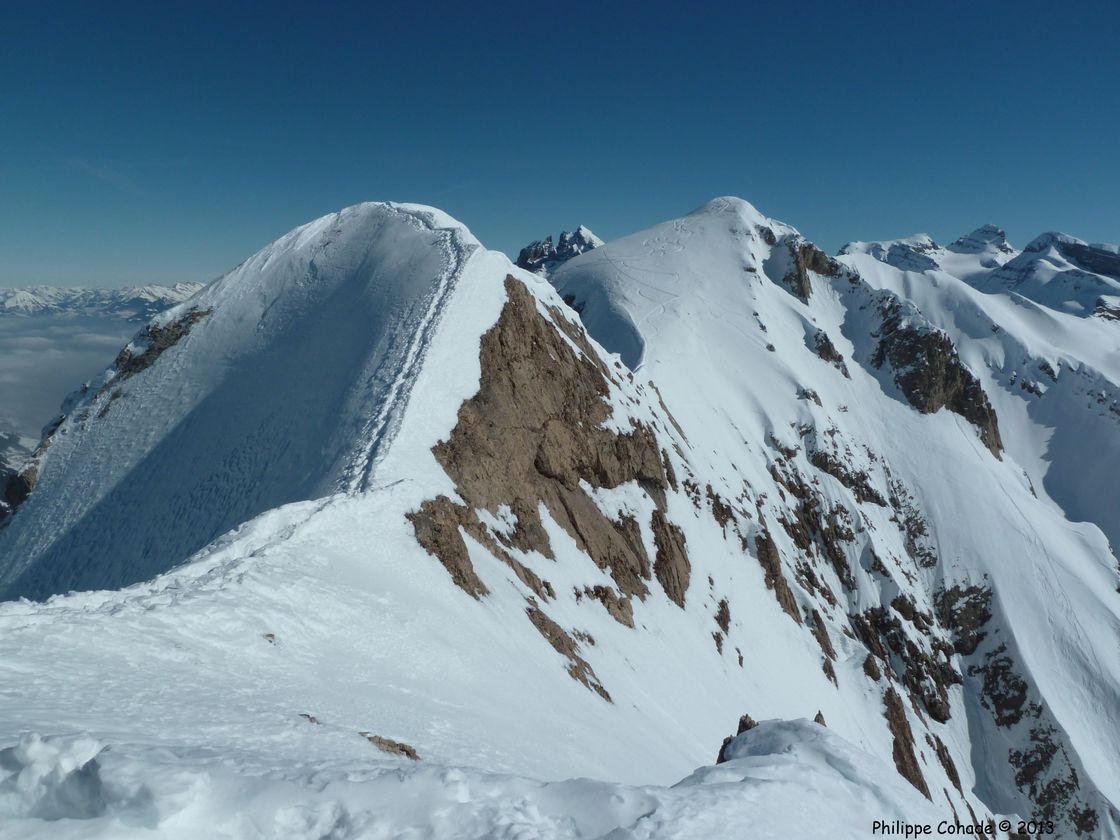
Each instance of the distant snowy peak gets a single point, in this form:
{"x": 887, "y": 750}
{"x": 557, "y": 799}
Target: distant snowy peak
{"x": 14, "y": 450}
{"x": 1062, "y": 272}
{"x": 134, "y": 304}
{"x": 1098, "y": 258}
{"x": 1055, "y": 270}
{"x": 967, "y": 257}
{"x": 985, "y": 239}
{"x": 911, "y": 253}
{"x": 543, "y": 256}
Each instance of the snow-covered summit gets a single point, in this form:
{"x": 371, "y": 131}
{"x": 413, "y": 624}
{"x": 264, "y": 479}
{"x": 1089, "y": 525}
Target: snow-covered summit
{"x": 911, "y": 253}
{"x": 1056, "y": 270}
{"x": 280, "y": 381}
{"x": 987, "y": 238}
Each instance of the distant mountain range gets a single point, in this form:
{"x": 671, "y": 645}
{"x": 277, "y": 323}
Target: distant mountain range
{"x": 134, "y": 304}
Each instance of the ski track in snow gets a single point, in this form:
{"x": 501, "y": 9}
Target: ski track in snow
{"x": 382, "y": 428}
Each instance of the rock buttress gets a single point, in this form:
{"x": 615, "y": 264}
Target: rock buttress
{"x": 533, "y": 435}
{"x": 931, "y": 375}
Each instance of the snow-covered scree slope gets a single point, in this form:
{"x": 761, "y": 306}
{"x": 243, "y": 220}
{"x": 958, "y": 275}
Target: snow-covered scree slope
{"x": 788, "y": 493}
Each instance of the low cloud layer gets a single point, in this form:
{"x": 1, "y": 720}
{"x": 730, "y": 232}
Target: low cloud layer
{"x": 45, "y": 357}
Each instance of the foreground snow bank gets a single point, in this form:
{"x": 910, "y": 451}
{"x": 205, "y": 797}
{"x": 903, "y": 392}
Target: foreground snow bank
{"x": 791, "y": 779}
{"x": 52, "y": 779}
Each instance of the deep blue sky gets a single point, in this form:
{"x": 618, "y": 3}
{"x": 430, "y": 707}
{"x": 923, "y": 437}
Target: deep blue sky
{"x": 157, "y": 142}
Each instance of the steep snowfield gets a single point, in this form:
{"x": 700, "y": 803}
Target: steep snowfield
{"x": 665, "y": 298}
{"x": 424, "y": 506}
{"x": 1055, "y": 375}
{"x": 280, "y": 382}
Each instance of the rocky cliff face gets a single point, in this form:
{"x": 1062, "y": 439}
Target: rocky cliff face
{"x": 542, "y": 256}
{"x": 929, "y": 372}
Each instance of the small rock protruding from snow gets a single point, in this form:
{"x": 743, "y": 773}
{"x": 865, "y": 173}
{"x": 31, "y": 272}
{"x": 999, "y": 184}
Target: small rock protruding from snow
{"x": 746, "y": 723}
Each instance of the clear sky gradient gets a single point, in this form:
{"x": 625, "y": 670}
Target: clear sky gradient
{"x": 159, "y": 142}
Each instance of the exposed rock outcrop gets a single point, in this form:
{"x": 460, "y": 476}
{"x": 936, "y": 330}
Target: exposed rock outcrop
{"x": 805, "y": 257}
{"x": 904, "y": 759}
{"x": 152, "y": 342}
{"x": 924, "y": 659}
{"x": 826, "y": 350}
{"x": 771, "y": 562}
{"x": 392, "y": 747}
{"x": 671, "y": 565}
{"x": 964, "y": 610}
{"x": 929, "y": 372}
{"x": 1107, "y": 308}
{"x": 567, "y": 647}
{"x": 746, "y": 723}
{"x": 19, "y": 483}
{"x": 534, "y": 435}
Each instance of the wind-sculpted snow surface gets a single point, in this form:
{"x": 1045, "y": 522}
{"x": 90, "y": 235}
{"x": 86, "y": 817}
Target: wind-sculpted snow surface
{"x": 524, "y": 540}
{"x": 89, "y": 790}
{"x": 281, "y": 381}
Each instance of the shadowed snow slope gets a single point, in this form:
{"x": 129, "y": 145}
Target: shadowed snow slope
{"x": 289, "y": 374}
{"x": 431, "y": 508}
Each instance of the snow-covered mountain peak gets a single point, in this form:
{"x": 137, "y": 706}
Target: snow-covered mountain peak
{"x": 542, "y": 257}
{"x": 730, "y": 204}
{"x": 1100, "y": 258}
{"x": 984, "y": 239}
{"x": 1061, "y": 272}
{"x": 582, "y": 235}
{"x": 910, "y": 253}
{"x": 280, "y": 381}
